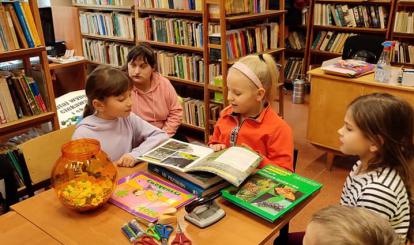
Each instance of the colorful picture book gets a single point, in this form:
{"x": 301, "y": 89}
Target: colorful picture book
{"x": 147, "y": 197}
{"x": 271, "y": 192}
{"x": 349, "y": 68}
{"x": 233, "y": 164}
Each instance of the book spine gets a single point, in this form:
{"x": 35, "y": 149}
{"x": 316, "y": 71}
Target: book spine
{"x": 176, "y": 179}
{"x": 19, "y": 12}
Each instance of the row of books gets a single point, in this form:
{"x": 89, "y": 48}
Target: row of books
{"x": 107, "y": 24}
{"x": 213, "y": 28}
{"x": 330, "y": 41}
{"x": 105, "y": 52}
{"x": 358, "y": 16}
{"x": 20, "y": 96}
{"x": 404, "y": 22}
{"x": 293, "y": 68}
{"x": 233, "y": 7}
{"x": 105, "y": 2}
{"x": 214, "y": 70}
{"x": 403, "y": 53}
{"x": 194, "y": 112}
{"x": 255, "y": 39}
{"x": 215, "y": 110}
{"x": 296, "y": 40}
{"x": 172, "y": 4}
{"x": 305, "y": 16}
{"x": 181, "y": 65}
{"x": 17, "y": 27}
{"x": 171, "y": 30}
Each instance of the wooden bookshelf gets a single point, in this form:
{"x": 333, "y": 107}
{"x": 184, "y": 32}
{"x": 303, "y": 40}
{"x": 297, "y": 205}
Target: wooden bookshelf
{"x": 350, "y": 29}
{"x": 127, "y": 8}
{"x": 184, "y": 81}
{"x": 403, "y": 35}
{"x": 315, "y": 57}
{"x": 252, "y": 17}
{"x": 105, "y": 7}
{"x": 172, "y": 12}
{"x": 270, "y": 51}
{"x": 190, "y": 126}
{"x": 109, "y": 38}
{"x": 173, "y": 46}
{"x": 215, "y": 88}
{"x": 15, "y": 127}
{"x": 21, "y": 53}
{"x": 406, "y": 3}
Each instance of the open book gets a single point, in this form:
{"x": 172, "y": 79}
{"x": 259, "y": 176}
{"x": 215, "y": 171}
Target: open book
{"x": 233, "y": 164}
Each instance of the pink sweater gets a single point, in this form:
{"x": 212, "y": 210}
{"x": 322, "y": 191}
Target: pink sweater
{"x": 159, "y": 105}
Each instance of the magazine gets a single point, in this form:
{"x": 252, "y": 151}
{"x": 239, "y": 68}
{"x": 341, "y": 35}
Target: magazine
{"x": 147, "y": 196}
{"x": 233, "y": 164}
{"x": 271, "y": 192}
{"x": 349, "y": 68}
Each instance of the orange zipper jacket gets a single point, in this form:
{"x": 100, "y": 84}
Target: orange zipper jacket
{"x": 268, "y": 134}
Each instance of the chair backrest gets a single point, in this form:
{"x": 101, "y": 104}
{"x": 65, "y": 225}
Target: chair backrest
{"x": 369, "y": 44}
{"x": 41, "y": 153}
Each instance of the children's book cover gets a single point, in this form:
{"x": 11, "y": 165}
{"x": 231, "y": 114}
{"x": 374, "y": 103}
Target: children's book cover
{"x": 271, "y": 192}
{"x": 147, "y": 196}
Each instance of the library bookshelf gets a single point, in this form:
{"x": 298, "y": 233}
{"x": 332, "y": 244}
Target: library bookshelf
{"x": 316, "y": 52}
{"x": 107, "y": 31}
{"x": 13, "y": 128}
{"x": 402, "y": 31}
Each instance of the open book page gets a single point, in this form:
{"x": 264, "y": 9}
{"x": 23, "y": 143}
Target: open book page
{"x": 234, "y": 164}
{"x": 177, "y": 155}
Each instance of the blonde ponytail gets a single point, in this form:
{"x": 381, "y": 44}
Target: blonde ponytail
{"x": 265, "y": 68}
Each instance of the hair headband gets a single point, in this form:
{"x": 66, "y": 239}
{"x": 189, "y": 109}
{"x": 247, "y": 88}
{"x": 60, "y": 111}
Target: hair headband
{"x": 248, "y": 73}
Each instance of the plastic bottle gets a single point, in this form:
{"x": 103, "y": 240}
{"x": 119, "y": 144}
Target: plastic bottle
{"x": 383, "y": 69}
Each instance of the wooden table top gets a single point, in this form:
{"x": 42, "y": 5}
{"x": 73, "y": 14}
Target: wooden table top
{"x": 14, "y": 229}
{"x": 55, "y": 66}
{"x": 103, "y": 226}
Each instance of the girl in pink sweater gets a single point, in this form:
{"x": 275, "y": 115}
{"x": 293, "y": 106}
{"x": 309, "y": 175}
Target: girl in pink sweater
{"x": 153, "y": 97}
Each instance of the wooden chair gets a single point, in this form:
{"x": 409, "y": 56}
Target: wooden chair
{"x": 41, "y": 153}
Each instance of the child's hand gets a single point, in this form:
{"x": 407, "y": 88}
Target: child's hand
{"x": 126, "y": 161}
{"x": 217, "y": 147}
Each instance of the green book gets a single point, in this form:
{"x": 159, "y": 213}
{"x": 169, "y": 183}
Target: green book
{"x": 271, "y": 192}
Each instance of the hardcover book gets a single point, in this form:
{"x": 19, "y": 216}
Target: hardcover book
{"x": 271, "y": 192}
{"x": 147, "y": 197}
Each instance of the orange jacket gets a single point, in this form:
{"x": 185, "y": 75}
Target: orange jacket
{"x": 267, "y": 134}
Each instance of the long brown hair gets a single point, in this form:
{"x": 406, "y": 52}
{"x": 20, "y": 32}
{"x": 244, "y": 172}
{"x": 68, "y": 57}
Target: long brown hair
{"x": 343, "y": 225}
{"x": 388, "y": 122}
{"x": 103, "y": 82}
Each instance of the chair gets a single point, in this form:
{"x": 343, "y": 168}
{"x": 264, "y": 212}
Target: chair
{"x": 363, "y": 47}
{"x": 284, "y": 232}
{"x": 41, "y": 153}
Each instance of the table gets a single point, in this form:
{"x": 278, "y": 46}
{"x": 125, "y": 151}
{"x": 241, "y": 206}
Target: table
{"x": 14, "y": 229}
{"x": 68, "y": 77}
{"x": 329, "y": 99}
{"x": 102, "y": 226}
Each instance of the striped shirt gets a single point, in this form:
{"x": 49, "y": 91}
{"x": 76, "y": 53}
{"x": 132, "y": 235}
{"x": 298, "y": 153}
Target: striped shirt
{"x": 382, "y": 191}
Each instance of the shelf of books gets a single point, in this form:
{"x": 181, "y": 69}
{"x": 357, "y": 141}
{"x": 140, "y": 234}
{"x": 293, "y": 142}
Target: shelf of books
{"x": 232, "y": 23}
{"x": 27, "y": 97}
{"x": 107, "y": 30}
{"x": 403, "y": 34}
{"x": 334, "y": 21}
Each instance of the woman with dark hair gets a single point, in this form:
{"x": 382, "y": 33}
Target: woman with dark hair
{"x": 154, "y": 99}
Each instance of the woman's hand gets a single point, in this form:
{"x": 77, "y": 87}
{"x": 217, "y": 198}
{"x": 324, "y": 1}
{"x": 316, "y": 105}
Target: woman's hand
{"x": 126, "y": 161}
{"x": 217, "y": 147}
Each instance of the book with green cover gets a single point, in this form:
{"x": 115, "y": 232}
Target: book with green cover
{"x": 271, "y": 192}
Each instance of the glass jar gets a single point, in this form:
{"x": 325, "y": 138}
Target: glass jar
{"x": 83, "y": 177}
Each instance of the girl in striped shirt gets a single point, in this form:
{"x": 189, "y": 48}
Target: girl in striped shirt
{"x": 379, "y": 129}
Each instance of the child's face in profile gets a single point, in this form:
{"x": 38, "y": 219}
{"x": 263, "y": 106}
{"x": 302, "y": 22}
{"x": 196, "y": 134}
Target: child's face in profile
{"x": 353, "y": 141}
{"x": 116, "y": 106}
{"x": 242, "y": 94}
